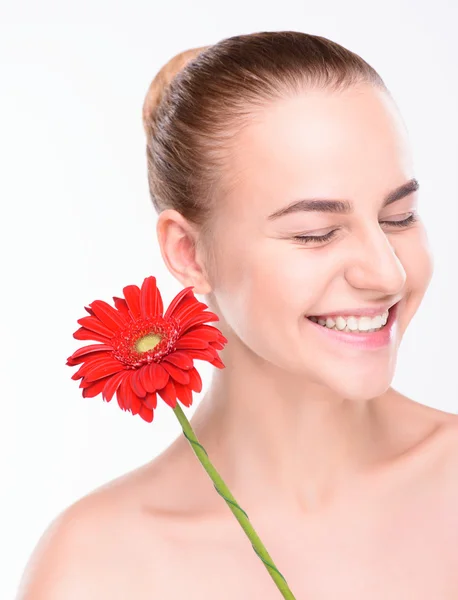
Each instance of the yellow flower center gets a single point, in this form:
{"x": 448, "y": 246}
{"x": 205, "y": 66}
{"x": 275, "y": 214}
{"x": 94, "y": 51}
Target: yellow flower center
{"x": 144, "y": 341}
{"x": 148, "y": 342}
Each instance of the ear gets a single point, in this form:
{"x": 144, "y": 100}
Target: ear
{"x": 178, "y": 244}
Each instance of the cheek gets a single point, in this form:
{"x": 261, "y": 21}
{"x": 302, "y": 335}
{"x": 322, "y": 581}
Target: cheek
{"x": 416, "y": 257}
{"x": 274, "y": 293}
{"x": 286, "y": 282}
{"x": 417, "y": 260}
{"x": 265, "y": 291}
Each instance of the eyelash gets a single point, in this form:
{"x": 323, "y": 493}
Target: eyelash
{"x": 305, "y": 239}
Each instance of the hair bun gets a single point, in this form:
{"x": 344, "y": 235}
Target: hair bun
{"x": 161, "y": 81}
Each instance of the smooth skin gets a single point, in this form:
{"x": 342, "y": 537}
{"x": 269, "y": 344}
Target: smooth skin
{"x": 351, "y": 486}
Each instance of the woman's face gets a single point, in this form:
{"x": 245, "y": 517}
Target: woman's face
{"x": 349, "y": 146}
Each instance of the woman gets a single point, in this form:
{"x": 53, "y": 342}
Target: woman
{"x": 282, "y": 175}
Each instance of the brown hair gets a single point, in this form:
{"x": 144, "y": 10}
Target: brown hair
{"x": 200, "y": 99}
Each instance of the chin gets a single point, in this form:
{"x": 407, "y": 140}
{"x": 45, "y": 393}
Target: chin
{"x": 362, "y": 390}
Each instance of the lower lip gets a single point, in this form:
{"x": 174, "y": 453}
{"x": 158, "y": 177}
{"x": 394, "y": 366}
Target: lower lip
{"x": 366, "y": 341}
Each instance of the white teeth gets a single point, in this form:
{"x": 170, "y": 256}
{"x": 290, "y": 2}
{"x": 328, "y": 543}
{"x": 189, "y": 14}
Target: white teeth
{"x": 330, "y": 322}
{"x": 352, "y": 323}
{"x": 359, "y": 324}
{"x": 341, "y": 323}
{"x": 365, "y": 323}
{"x": 379, "y": 321}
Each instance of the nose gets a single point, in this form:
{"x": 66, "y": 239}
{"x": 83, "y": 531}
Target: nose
{"x": 375, "y": 264}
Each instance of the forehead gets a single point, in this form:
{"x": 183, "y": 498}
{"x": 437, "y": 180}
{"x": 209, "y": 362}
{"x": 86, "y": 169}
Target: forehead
{"x": 348, "y": 144}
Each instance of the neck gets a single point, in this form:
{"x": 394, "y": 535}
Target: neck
{"x": 280, "y": 441}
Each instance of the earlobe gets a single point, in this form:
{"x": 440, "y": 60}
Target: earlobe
{"x": 201, "y": 287}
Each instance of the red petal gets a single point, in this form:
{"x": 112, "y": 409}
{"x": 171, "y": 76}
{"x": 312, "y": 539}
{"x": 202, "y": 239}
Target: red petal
{"x": 136, "y": 384}
{"x": 121, "y": 392}
{"x": 77, "y": 374}
{"x": 150, "y": 298}
{"x": 150, "y": 400}
{"x": 84, "y": 334}
{"x": 93, "y": 360}
{"x": 102, "y": 370}
{"x": 91, "y": 348}
{"x": 131, "y": 400}
{"x": 132, "y": 296}
{"x": 201, "y": 318}
{"x": 146, "y": 413}
{"x": 168, "y": 394}
{"x": 94, "y": 388}
{"x": 217, "y": 362}
{"x": 176, "y": 373}
{"x": 159, "y": 375}
{"x": 207, "y": 355}
{"x": 112, "y": 385}
{"x": 217, "y": 345}
{"x": 109, "y": 316}
{"x": 135, "y": 403}
{"x": 195, "y": 382}
{"x": 95, "y": 325}
{"x": 206, "y": 332}
{"x": 93, "y": 355}
{"x": 198, "y": 329}
{"x": 188, "y": 341}
{"x": 179, "y": 359}
{"x": 188, "y": 311}
{"x": 145, "y": 379}
{"x": 153, "y": 377}
{"x": 186, "y": 295}
{"x": 184, "y": 394}
{"x": 121, "y": 305}
{"x": 84, "y": 383}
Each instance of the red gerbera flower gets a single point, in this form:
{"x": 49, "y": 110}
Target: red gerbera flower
{"x": 143, "y": 352}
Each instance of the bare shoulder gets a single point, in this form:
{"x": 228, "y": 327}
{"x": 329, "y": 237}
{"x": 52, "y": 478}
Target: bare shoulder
{"x": 88, "y": 549}
{"x": 443, "y": 437}
{"x": 429, "y": 441}
{"x": 426, "y": 468}
{"x": 62, "y": 565}
{"x": 445, "y": 433}
{"x": 448, "y": 433}
{"x": 438, "y": 454}
{"x": 442, "y": 483}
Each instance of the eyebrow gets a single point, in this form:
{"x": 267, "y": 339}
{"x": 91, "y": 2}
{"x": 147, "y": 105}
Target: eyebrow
{"x": 342, "y": 206}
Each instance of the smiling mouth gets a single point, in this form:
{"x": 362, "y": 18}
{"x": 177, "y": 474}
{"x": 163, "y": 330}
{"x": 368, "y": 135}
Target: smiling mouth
{"x": 356, "y": 325}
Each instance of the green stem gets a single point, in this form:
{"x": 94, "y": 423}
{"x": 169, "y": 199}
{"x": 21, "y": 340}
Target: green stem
{"x": 239, "y": 513}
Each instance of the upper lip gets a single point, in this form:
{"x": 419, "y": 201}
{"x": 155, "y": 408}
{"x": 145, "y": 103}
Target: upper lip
{"x": 371, "y": 311}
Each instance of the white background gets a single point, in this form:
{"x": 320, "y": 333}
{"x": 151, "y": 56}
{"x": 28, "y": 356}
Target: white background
{"x": 77, "y": 223}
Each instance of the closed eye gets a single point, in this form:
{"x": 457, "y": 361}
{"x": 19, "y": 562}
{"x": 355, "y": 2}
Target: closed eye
{"x": 410, "y": 219}
{"x": 305, "y": 239}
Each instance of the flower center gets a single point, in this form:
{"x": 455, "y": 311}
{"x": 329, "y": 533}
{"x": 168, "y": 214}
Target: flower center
{"x": 148, "y": 342}
{"x": 145, "y": 340}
